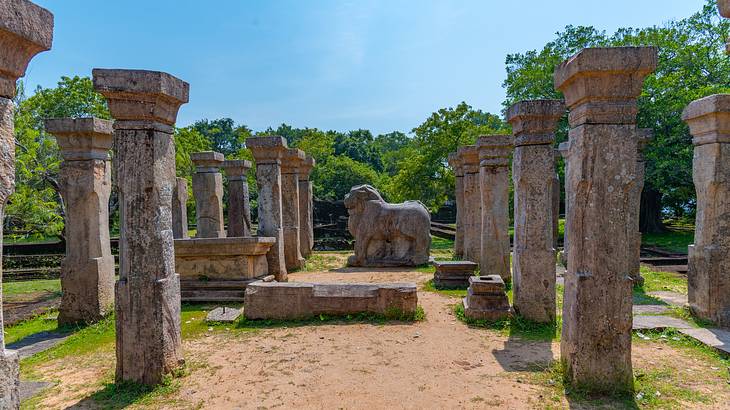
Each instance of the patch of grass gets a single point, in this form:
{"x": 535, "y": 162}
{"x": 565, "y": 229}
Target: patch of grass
{"x": 11, "y": 289}
{"x": 43, "y": 323}
{"x": 675, "y": 239}
{"x": 441, "y": 243}
{"x": 668, "y": 281}
{"x": 394, "y": 315}
{"x": 515, "y": 326}
{"x": 121, "y": 395}
{"x": 429, "y": 287}
{"x": 318, "y": 262}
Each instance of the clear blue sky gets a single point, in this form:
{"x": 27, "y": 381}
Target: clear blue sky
{"x": 382, "y": 65}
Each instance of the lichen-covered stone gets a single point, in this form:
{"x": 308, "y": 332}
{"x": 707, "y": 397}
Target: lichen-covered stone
{"x": 208, "y": 193}
{"x": 239, "y": 208}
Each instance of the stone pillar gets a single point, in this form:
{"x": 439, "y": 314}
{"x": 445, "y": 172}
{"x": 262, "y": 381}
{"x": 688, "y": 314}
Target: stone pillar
{"x": 533, "y": 173}
{"x": 564, "y": 150}
{"x": 268, "y": 152}
{"x": 494, "y": 152}
{"x": 25, "y": 30}
{"x": 600, "y": 86}
{"x": 180, "y": 209}
{"x": 239, "y": 208}
{"x": 87, "y": 271}
{"x": 208, "y": 193}
{"x": 144, "y": 105}
{"x": 556, "y": 203}
{"x": 290, "y": 207}
{"x": 644, "y": 136}
{"x": 709, "y": 257}
{"x": 723, "y": 7}
{"x": 306, "y": 207}
{"x": 472, "y": 216}
{"x": 455, "y": 163}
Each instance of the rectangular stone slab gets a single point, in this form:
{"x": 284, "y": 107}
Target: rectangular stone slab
{"x": 455, "y": 267}
{"x": 222, "y": 258}
{"x": 292, "y": 300}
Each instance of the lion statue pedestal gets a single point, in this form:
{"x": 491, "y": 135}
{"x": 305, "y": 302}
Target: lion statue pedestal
{"x": 387, "y": 234}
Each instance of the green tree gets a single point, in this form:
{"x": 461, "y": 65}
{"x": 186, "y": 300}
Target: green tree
{"x": 334, "y": 178}
{"x": 224, "y": 136}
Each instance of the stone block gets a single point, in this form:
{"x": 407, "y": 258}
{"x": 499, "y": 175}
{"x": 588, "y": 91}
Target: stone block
{"x": 453, "y": 274}
{"x": 232, "y": 258}
{"x": 486, "y": 299}
{"x": 224, "y": 314}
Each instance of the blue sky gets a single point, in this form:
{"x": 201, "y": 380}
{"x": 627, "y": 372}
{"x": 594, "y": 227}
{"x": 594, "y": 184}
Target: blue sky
{"x": 380, "y": 65}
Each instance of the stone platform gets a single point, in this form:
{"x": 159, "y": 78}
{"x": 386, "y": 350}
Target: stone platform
{"x": 453, "y": 274}
{"x": 486, "y": 299}
{"x": 293, "y": 300}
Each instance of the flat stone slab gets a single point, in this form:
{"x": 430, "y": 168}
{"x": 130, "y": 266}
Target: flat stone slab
{"x": 717, "y": 338}
{"x": 298, "y": 300}
{"x": 650, "y": 309}
{"x": 645, "y": 322}
{"x": 37, "y": 343}
{"x": 29, "y": 389}
{"x": 455, "y": 266}
{"x": 224, "y": 314}
{"x": 672, "y": 298}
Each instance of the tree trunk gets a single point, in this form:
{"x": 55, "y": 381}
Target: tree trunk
{"x": 650, "y": 213}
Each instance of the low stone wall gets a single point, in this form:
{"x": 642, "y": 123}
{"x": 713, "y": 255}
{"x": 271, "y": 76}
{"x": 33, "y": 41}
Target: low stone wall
{"x": 292, "y": 300}
{"x": 233, "y": 258}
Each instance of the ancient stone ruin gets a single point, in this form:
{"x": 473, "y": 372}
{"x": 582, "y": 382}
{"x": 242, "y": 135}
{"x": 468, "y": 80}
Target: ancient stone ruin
{"x": 455, "y": 162}
{"x": 471, "y": 217}
{"x": 453, "y": 274}
{"x": 87, "y": 271}
{"x": 387, "y": 234}
{"x": 180, "y": 209}
{"x": 306, "y": 207}
{"x": 208, "y": 193}
{"x": 564, "y": 150}
{"x": 486, "y": 299}
{"x": 239, "y": 208}
{"x": 634, "y": 260}
{"x": 292, "y": 160}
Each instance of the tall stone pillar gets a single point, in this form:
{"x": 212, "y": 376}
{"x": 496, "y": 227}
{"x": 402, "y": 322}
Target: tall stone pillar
{"x": 144, "y": 105}
{"x": 180, "y": 209}
{"x": 472, "y": 216}
{"x": 25, "y": 30}
{"x": 556, "y": 203}
{"x": 600, "y": 86}
{"x": 306, "y": 207}
{"x": 290, "y": 207}
{"x": 455, "y": 163}
{"x": 268, "y": 152}
{"x": 208, "y": 193}
{"x": 709, "y": 257}
{"x": 87, "y": 271}
{"x": 239, "y": 208}
{"x": 644, "y": 136}
{"x": 564, "y": 150}
{"x": 494, "y": 152}
{"x": 533, "y": 173}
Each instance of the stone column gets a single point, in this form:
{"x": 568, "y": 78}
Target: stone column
{"x": 87, "y": 271}
{"x": 564, "y": 150}
{"x": 533, "y": 173}
{"x": 25, "y": 30}
{"x": 556, "y": 203}
{"x": 180, "y": 209}
{"x": 306, "y": 207}
{"x": 455, "y": 163}
{"x": 268, "y": 152}
{"x": 644, "y": 136}
{"x": 723, "y": 7}
{"x": 494, "y": 152}
{"x": 709, "y": 257}
{"x": 239, "y": 209}
{"x": 208, "y": 193}
{"x": 290, "y": 207}
{"x": 472, "y": 217}
{"x": 144, "y": 105}
{"x": 600, "y": 86}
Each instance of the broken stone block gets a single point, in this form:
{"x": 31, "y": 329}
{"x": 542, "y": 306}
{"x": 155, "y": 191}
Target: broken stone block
{"x": 486, "y": 299}
{"x": 208, "y": 193}
{"x": 239, "y": 208}
{"x": 224, "y": 314}
{"x": 453, "y": 274}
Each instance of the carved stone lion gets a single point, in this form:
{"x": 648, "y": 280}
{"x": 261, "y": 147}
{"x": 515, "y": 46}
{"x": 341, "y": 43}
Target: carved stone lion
{"x": 387, "y": 234}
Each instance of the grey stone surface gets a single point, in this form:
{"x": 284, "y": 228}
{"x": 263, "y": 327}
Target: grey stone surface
{"x": 208, "y": 193}
{"x": 387, "y": 234}
{"x": 564, "y": 150}
{"x": 306, "y": 207}
{"x": 268, "y": 152}
{"x": 708, "y": 277}
{"x": 276, "y": 300}
{"x": 672, "y": 298}
{"x": 486, "y": 299}
{"x": 231, "y": 258}
{"x": 290, "y": 164}
{"x": 9, "y": 379}
{"x": 87, "y": 271}
{"x": 494, "y": 153}
{"x": 658, "y": 322}
{"x": 645, "y": 135}
{"x": 455, "y": 163}
{"x": 144, "y": 105}
{"x": 29, "y": 388}
{"x": 650, "y": 309}
{"x": 717, "y": 338}
{"x": 600, "y": 87}
{"x": 239, "y": 207}
{"x": 533, "y": 172}
{"x": 180, "y": 209}
{"x": 224, "y": 314}
{"x": 37, "y": 342}
{"x": 453, "y": 274}
{"x": 472, "y": 200}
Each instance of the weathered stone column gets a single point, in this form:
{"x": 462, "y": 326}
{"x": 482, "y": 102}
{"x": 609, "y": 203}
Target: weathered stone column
{"x": 600, "y": 86}
{"x": 494, "y": 152}
{"x": 180, "y": 209}
{"x": 306, "y": 207}
{"x": 144, "y": 105}
{"x": 268, "y": 152}
{"x": 455, "y": 163}
{"x": 644, "y": 136}
{"x": 472, "y": 215}
{"x": 564, "y": 150}
{"x": 239, "y": 208}
{"x": 208, "y": 193}
{"x": 556, "y": 203}
{"x": 533, "y": 173}
{"x": 25, "y": 30}
{"x": 87, "y": 271}
{"x": 290, "y": 207}
{"x": 723, "y": 7}
{"x": 709, "y": 257}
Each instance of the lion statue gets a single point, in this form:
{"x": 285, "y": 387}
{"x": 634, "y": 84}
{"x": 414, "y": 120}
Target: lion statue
{"x": 387, "y": 234}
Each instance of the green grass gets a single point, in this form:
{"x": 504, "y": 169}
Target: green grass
{"x": 31, "y": 286}
{"x": 515, "y": 326}
{"x": 43, "y": 323}
{"x": 319, "y": 262}
{"x": 441, "y": 243}
{"x": 674, "y": 240}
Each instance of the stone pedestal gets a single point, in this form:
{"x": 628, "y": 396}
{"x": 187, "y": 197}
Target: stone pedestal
{"x": 455, "y": 163}
{"x": 144, "y": 105}
{"x": 494, "y": 152}
{"x": 472, "y": 215}
{"x": 306, "y": 207}
{"x": 180, "y": 209}
{"x": 290, "y": 164}
{"x": 709, "y": 257}
{"x": 25, "y": 30}
{"x": 268, "y": 152}
{"x": 208, "y": 193}
{"x": 453, "y": 274}
{"x": 564, "y": 150}
{"x": 239, "y": 208}
{"x": 87, "y": 271}
{"x": 600, "y": 86}
{"x": 486, "y": 299}
{"x": 533, "y": 173}
{"x": 645, "y": 135}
